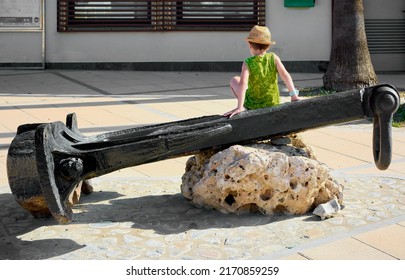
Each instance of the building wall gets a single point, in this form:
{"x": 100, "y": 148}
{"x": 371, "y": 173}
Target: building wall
{"x": 302, "y": 35}
{"x": 17, "y": 47}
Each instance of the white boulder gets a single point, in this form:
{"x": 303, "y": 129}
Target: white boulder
{"x": 259, "y": 178}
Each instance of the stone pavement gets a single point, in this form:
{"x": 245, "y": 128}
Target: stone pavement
{"x": 139, "y": 213}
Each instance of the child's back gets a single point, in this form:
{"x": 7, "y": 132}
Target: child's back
{"x": 257, "y": 86}
{"x": 262, "y": 88}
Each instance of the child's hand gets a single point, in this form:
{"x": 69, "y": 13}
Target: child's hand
{"x": 234, "y": 112}
{"x": 294, "y": 95}
{"x": 294, "y": 98}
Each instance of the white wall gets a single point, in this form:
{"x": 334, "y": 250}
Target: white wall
{"x": 377, "y": 9}
{"x": 301, "y": 35}
{"x": 25, "y": 47}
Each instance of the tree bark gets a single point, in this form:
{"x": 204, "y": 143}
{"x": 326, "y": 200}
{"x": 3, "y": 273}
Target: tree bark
{"x": 350, "y": 65}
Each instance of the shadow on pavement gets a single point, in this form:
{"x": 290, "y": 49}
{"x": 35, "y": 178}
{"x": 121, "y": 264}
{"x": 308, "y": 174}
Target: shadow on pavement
{"x": 165, "y": 214}
{"x": 15, "y": 222}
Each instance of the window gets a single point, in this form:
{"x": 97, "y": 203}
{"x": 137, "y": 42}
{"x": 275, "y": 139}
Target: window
{"x": 230, "y": 15}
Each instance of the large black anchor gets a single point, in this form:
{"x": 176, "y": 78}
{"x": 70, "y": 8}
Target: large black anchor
{"x": 47, "y": 161}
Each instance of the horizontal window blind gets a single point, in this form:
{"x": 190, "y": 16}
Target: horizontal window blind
{"x": 385, "y": 35}
{"x": 228, "y": 15}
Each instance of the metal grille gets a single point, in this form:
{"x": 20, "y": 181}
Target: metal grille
{"x": 228, "y": 15}
{"x": 385, "y": 35}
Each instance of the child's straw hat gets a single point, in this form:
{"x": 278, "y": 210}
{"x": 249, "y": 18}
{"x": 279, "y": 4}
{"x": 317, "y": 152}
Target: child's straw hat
{"x": 260, "y": 35}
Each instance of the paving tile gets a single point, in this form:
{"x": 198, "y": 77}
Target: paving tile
{"x": 393, "y": 170}
{"x": 209, "y": 107}
{"x": 396, "y": 168}
{"x": 47, "y": 115}
{"x": 227, "y": 104}
{"x": 120, "y": 107}
{"x": 3, "y": 157}
{"x": 179, "y": 109}
{"x": 129, "y": 172}
{"x": 107, "y": 119}
{"x": 345, "y": 249}
{"x": 335, "y": 159}
{"x": 398, "y": 147}
{"x": 141, "y": 115}
{"x": 3, "y": 173}
{"x": 361, "y": 136}
{"x": 6, "y": 138}
{"x": 163, "y": 168}
{"x": 331, "y": 143}
{"x": 389, "y": 239}
{"x": 294, "y": 257}
{"x": 12, "y": 119}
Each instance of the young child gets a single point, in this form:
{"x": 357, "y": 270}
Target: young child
{"x": 257, "y": 85}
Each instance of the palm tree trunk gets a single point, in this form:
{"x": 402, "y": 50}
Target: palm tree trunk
{"x": 350, "y": 64}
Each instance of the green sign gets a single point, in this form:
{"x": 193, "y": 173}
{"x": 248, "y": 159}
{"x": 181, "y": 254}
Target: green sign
{"x": 299, "y": 3}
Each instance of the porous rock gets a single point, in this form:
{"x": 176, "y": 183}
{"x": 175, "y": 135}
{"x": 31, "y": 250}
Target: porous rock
{"x": 259, "y": 178}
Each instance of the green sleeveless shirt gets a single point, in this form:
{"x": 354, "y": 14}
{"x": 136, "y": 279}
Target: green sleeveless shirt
{"x": 263, "y": 82}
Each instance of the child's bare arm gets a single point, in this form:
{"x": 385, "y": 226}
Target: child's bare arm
{"x": 286, "y": 77}
{"x": 243, "y": 84}
{"x": 240, "y": 91}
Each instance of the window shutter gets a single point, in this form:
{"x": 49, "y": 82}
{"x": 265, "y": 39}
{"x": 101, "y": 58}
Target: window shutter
{"x": 228, "y": 15}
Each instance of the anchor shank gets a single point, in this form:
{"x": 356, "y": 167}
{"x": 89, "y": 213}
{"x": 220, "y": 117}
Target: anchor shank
{"x": 247, "y": 126}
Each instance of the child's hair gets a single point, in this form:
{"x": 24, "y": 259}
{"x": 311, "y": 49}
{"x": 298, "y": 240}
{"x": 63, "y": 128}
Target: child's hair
{"x": 259, "y": 47}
